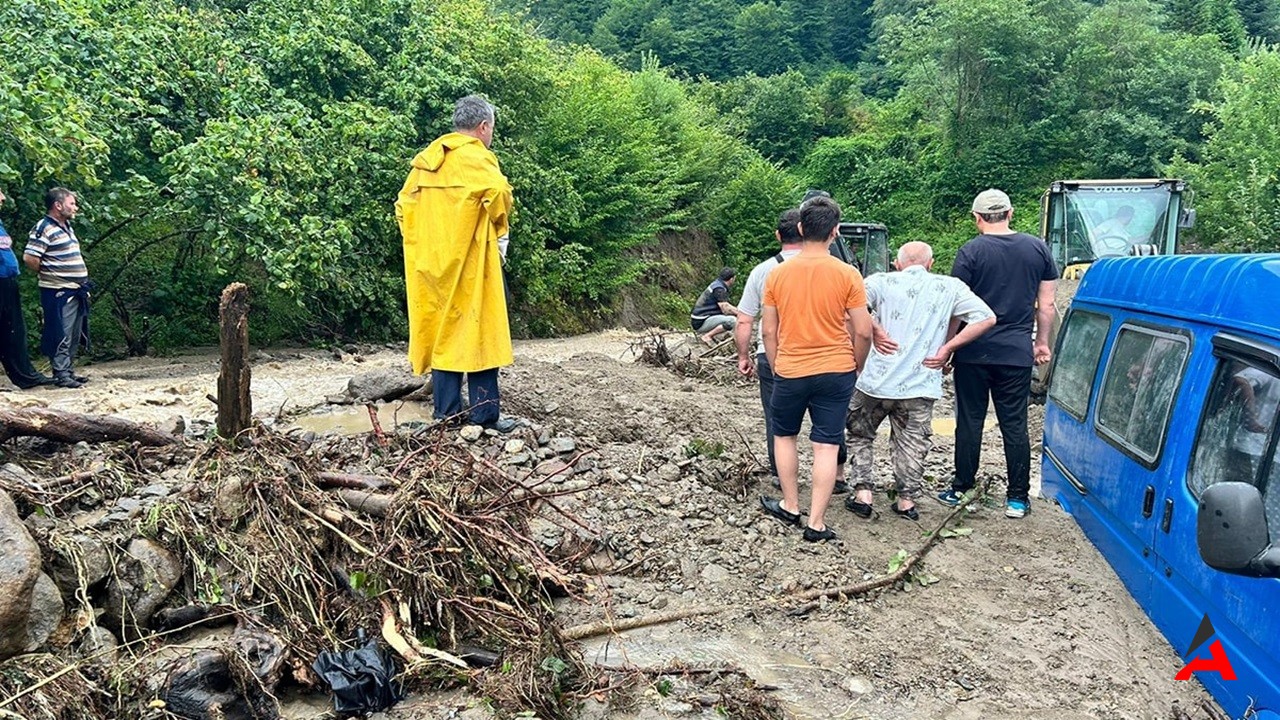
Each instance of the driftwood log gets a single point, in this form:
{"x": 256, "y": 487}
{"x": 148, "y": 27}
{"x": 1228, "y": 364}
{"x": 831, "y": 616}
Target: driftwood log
{"x": 235, "y": 406}
{"x": 72, "y": 428}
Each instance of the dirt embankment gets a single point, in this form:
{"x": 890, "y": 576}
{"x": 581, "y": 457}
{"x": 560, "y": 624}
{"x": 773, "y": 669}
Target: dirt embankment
{"x": 1013, "y": 619}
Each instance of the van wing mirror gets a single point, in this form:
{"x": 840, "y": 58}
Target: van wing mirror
{"x": 1231, "y": 531}
{"x": 1187, "y": 218}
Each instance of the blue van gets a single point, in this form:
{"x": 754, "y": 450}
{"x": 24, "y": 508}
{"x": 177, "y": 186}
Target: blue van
{"x": 1160, "y": 439}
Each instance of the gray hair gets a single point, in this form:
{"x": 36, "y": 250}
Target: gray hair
{"x": 470, "y": 111}
{"x": 915, "y": 253}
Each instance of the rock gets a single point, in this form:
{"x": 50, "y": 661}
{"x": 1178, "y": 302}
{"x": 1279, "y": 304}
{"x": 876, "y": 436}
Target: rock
{"x": 101, "y": 644}
{"x": 130, "y": 505}
{"x": 46, "y": 612}
{"x": 13, "y": 471}
{"x": 338, "y": 399}
{"x": 669, "y": 472}
{"x": 157, "y": 490}
{"x": 544, "y": 436}
{"x": 520, "y": 459}
{"x": 384, "y": 384}
{"x": 858, "y": 685}
{"x": 19, "y": 572}
{"x": 714, "y": 573}
{"x": 554, "y": 467}
{"x": 144, "y": 578}
{"x": 659, "y": 602}
{"x": 175, "y": 425}
{"x": 471, "y": 433}
{"x": 562, "y": 445}
{"x": 666, "y": 501}
{"x": 85, "y": 551}
{"x": 513, "y": 447}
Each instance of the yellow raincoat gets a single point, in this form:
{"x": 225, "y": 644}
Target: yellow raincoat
{"x": 452, "y": 210}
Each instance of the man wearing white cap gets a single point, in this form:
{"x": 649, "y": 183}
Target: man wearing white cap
{"x": 1014, "y": 274}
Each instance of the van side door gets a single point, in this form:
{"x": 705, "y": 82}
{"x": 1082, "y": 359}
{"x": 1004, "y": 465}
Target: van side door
{"x": 1235, "y": 440}
{"x": 1075, "y": 467}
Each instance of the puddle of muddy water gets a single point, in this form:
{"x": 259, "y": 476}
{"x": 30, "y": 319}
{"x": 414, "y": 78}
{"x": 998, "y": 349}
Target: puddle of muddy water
{"x": 793, "y": 676}
{"x": 354, "y": 419}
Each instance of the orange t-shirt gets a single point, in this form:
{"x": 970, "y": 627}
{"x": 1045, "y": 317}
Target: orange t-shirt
{"x": 811, "y": 294}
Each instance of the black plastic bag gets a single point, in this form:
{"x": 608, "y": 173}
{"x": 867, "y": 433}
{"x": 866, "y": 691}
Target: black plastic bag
{"x": 362, "y": 680}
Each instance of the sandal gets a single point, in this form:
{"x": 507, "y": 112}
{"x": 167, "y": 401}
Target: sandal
{"x": 774, "y": 508}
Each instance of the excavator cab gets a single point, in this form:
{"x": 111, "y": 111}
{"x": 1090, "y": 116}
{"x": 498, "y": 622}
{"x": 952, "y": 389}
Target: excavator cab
{"x": 864, "y": 246}
{"x": 1085, "y": 220}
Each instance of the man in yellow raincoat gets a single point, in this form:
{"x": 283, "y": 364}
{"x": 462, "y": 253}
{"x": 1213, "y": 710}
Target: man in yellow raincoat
{"x": 453, "y": 213}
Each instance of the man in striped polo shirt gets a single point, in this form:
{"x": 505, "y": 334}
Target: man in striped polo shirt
{"x": 54, "y": 253}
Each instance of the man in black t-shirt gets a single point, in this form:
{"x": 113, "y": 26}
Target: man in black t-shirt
{"x": 713, "y": 314}
{"x": 1014, "y": 274}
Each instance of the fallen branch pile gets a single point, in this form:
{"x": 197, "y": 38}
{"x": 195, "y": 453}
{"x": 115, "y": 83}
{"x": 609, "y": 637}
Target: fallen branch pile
{"x": 689, "y": 359}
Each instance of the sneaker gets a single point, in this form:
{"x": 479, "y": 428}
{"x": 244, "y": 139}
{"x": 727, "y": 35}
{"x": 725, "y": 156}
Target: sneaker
{"x": 82, "y": 379}
{"x": 66, "y": 382}
{"x": 841, "y": 488}
{"x": 950, "y": 498}
{"x": 1016, "y": 509}
{"x": 823, "y": 535}
{"x": 503, "y": 425}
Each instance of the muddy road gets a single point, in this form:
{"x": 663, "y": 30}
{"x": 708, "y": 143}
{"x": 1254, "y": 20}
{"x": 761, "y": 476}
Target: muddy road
{"x": 1018, "y": 619}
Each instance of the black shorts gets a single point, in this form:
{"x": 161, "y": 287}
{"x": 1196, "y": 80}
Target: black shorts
{"x": 825, "y": 396}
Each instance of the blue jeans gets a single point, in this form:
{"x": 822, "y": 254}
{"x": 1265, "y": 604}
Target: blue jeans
{"x": 482, "y": 387}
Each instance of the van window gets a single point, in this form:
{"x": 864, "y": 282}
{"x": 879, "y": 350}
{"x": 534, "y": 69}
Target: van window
{"x": 1071, "y": 386}
{"x": 1235, "y": 432}
{"x": 1142, "y": 378}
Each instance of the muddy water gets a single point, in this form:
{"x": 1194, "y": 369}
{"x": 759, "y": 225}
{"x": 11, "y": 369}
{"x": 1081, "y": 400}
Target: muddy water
{"x": 354, "y": 419}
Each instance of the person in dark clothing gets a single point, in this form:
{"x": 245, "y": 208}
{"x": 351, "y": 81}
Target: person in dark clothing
{"x": 713, "y": 314}
{"x": 1014, "y": 274}
{"x": 13, "y": 327}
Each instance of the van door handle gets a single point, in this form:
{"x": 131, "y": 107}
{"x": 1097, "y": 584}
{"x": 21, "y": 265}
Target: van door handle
{"x": 1149, "y": 501}
{"x": 1167, "y": 520}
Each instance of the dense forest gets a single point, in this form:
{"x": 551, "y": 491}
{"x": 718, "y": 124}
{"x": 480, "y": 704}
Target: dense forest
{"x": 648, "y": 140}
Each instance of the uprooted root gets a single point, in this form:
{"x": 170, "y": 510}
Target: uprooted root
{"x": 688, "y": 359}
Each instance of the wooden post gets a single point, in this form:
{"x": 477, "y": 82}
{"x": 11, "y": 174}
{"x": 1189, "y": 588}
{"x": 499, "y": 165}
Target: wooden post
{"x": 235, "y": 407}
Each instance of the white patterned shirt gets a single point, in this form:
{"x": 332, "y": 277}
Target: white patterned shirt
{"x": 915, "y": 307}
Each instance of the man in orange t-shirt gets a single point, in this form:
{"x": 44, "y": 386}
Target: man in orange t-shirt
{"x": 817, "y": 333}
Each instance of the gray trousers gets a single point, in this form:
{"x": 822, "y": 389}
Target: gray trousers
{"x": 71, "y": 316}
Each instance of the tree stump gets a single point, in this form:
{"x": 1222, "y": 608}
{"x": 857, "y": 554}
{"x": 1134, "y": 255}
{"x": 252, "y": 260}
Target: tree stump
{"x": 235, "y": 407}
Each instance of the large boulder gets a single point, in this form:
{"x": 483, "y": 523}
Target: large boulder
{"x": 19, "y": 572}
{"x": 384, "y": 384}
{"x": 46, "y": 612}
{"x": 144, "y": 578}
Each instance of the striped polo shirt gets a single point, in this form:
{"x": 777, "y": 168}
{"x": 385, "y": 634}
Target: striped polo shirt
{"x": 61, "y": 265}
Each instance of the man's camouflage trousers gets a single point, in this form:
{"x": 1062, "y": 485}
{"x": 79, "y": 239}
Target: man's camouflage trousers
{"x": 910, "y": 439}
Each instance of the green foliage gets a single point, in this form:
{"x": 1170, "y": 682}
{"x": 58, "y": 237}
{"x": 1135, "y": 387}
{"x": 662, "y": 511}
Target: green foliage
{"x": 266, "y": 141}
{"x": 1238, "y": 180}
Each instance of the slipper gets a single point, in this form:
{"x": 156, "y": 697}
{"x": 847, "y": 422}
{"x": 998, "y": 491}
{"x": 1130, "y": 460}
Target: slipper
{"x": 811, "y": 535}
{"x": 861, "y": 509}
{"x": 909, "y": 514}
{"x": 774, "y": 508}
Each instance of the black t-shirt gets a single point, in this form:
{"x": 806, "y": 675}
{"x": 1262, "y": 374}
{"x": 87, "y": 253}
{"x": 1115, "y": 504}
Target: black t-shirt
{"x": 1006, "y": 272}
{"x": 709, "y": 302}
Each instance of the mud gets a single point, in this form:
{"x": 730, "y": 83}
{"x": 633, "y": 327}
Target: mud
{"x": 1025, "y": 619}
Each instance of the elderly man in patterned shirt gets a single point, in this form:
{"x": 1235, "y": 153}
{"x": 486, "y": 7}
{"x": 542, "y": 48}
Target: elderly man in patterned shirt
{"x": 919, "y": 312}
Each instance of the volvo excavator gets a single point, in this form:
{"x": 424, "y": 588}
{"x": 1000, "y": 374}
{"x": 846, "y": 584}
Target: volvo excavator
{"x": 1087, "y": 220}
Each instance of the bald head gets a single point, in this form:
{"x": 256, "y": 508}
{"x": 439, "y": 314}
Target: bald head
{"x": 915, "y": 253}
